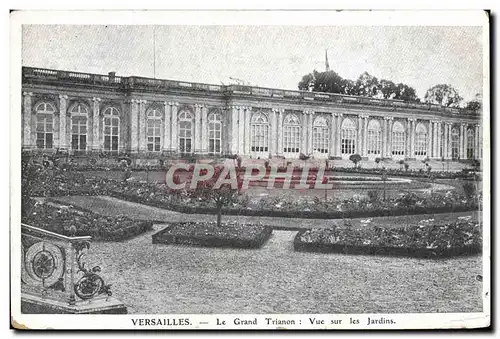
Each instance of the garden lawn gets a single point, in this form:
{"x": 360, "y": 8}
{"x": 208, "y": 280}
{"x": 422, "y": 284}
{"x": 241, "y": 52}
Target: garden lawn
{"x": 111, "y": 206}
{"x": 173, "y": 279}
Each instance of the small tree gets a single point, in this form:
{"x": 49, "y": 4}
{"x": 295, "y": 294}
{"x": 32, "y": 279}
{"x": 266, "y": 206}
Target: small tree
{"x": 222, "y": 195}
{"x": 355, "y": 158}
{"x": 401, "y": 163}
{"x": 407, "y": 166}
{"x": 377, "y": 161}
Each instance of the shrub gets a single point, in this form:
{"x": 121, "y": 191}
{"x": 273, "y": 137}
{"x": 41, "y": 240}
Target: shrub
{"x": 355, "y": 158}
{"x": 470, "y": 190}
{"x": 373, "y": 195}
{"x": 407, "y": 166}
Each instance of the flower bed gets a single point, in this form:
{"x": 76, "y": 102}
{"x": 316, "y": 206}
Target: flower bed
{"x": 210, "y": 235}
{"x": 424, "y": 240}
{"x": 76, "y": 222}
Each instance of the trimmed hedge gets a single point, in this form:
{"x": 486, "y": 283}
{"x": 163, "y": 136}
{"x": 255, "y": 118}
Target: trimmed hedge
{"x": 411, "y": 250}
{"x": 103, "y": 228}
{"x": 397, "y": 211}
{"x": 225, "y": 237}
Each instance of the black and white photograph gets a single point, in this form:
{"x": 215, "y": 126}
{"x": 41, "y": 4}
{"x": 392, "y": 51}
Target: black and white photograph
{"x": 241, "y": 170}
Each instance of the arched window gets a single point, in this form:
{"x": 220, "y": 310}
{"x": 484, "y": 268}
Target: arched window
{"x": 259, "y": 132}
{"x": 186, "y": 132}
{"x": 79, "y": 119}
{"x": 348, "y": 145}
{"x": 470, "y": 143}
{"x": 420, "y": 140}
{"x": 374, "y": 137}
{"x": 455, "y": 143}
{"x": 398, "y": 139}
{"x": 291, "y": 134}
{"x": 45, "y": 125}
{"x": 111, "y": 129}
{"x": 214, "y": 133}
{"x": 153, "y": 133}
{"x": 321, "y": 135}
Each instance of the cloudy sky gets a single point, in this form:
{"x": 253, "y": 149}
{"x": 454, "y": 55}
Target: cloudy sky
{"x": 267, "y": 56}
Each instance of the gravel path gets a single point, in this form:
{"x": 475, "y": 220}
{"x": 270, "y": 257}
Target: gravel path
{"x": 274, "y": 279}
{"x": 111, "y": 206}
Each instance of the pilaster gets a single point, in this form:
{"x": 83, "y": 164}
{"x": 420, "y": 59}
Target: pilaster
{"x": 63, "y": 141}
{"x": 28, "y": 142}
{"x": 281, "y": 113}
{"x": 96, "y": 143}
{"x": 388, "y": 152}
{"x": 142, "y": 126}
{"x": 174, "y": 130}
{"x": 338, "y": 136}
{"x": 248, "y": 115}
{"x": 204, "y": 129}
{"x": 310, "y": 133}
{"x": 234, "y": 129}
{"x": 167, "y": 125}
{"x": 333, "y": 128}
{"x": 461, "y": 144}
{"x": 364, "y": 152}
{"x": 241, "y": 130}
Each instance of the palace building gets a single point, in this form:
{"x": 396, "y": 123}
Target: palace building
{"x": 90, "y": 113}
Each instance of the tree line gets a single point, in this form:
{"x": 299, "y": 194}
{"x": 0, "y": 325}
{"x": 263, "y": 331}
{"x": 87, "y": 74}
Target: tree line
{"x": 368, "y": 85}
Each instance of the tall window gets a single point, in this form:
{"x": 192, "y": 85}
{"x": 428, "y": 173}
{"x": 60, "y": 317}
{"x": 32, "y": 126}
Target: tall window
{"x": 374, "y": 137}
{"x": 455, "y": 142}
{"x": 44, "y": 125}
{"x": 470, "y": 144}
{"x": 420, "y": 140}
{"x": 291, "y": 134}
{"x": 186, "y": 132}
{"x": 398, "y": 139}
{"x": 348, "y": 145}
{"x": 214, "y": 133}
{"x": 259, "y": 132}
{"x": 111, "y": 129}
{"x": 153, "y": 132}
{"x": 321, "y": 135}
{"x": 79, "y": 117}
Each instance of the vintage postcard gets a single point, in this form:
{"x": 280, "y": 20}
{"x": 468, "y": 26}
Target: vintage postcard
{"x": 250, "y": 170}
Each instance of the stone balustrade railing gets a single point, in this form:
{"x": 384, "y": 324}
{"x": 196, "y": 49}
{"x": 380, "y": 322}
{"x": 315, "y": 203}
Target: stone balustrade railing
{"x": 148, "y": 83}
{"x": 53, "y": 269}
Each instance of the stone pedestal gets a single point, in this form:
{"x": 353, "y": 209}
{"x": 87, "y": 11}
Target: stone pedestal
{"x": 31, "y": 304}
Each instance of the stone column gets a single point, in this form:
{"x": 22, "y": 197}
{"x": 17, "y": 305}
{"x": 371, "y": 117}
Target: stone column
{"x": 142, "y": 126}
{"x": 440, "y": 140}
{"x": 241, "y": 130}
{"x": 27, "y": 128}
{"x": 412, "y": 136}
{"x": 204, "y": 129}
{"x": 333, "y": 128}
{"x": 338, "y": 144}
{"x": 445, "y": 140}
{"x": 248, "y": 115}
{"x": 461, "y": 144}
{"x": 234, "y": 129}
{"x": 272, "y": 131}
{"x": 429, "y": 140}
{"x": 407, "y": 127}
{"x": 174, "y": 140}
{"x": 310, "y": 132}
{"x": 134, "y": 126}
{"x": 384, "y": 139}
{"x": 365, "y": 137}
{"x": 96, "y": 142}
{"x": 303, "y": 144}
{"x": 390, "y": 122}
{"x": 167, "y": 125}
{"x": 63, "y": 107}
{"x": 480, "y": 137}
{"x": 476, "y": 142}
{"x": 281, "y": 113}
{"x": 197, "y": 128}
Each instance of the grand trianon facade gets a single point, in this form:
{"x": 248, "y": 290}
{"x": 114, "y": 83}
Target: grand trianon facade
{"x": 85, "y": 114}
